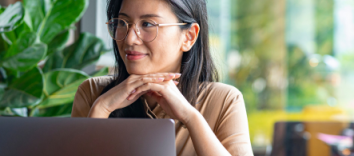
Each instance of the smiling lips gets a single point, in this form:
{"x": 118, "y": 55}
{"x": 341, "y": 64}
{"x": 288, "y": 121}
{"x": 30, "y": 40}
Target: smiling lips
{"x": 133, "y": 55}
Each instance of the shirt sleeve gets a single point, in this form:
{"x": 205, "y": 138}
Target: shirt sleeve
{"x": 82, "y": 100}
{"x": 232, "y": 128}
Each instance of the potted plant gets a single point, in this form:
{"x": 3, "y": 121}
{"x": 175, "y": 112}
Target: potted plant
{"x": 39, "y": 72}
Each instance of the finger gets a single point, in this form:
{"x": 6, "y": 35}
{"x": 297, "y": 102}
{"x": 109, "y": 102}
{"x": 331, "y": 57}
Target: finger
{"x": 149, "y": 86}
{"x": 155, "y": 79}
{"x": 143, "y": 81}
{"x": 178, "y": 75}
{"x": 176, "y": 82}
{"x": 160, "y": 74}
{"x": 172, "y": 76}
{"x": 165, "y": 75}
{"x": 133, "y": 77}
{"x": 135, "y": 96}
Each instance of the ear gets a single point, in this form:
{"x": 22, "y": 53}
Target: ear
{"x": 190, "y": 37}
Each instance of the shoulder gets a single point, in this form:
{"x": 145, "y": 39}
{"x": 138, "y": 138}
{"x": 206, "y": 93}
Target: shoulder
{"x": 219, "y": 96}
{"x": 219, "y": 100}
{"x": 222, "y": 90}
{"x": 93, "y": 86}
{"x": 98, "y": 82}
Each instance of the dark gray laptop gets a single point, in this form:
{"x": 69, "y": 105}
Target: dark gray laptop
{"x": 84, "y": 136}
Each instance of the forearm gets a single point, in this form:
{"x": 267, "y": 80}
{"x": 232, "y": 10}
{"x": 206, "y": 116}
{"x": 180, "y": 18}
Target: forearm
{"x": 204, "y": 140}
{"x": 98, "y": 111}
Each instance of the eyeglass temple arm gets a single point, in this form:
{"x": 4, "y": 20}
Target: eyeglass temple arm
{"x": 172, "y": 24}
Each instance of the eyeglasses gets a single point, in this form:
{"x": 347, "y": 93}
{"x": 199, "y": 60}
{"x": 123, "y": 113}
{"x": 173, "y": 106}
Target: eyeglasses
{"x": 146, "y": 30}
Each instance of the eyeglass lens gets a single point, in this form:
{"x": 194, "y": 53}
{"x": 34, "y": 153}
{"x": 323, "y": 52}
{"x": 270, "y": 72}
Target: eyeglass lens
{"x": 145, "y": 29}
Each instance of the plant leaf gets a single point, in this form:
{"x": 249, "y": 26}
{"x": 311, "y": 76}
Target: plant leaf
{"x": 10, "y": 75}
{"x": 2, "y": 90}
{"x": 58, "y": 43}
{"x": 1, "y": 9}
{"x": 4, "y": 46}
{"x": 27, "y": 59}
{"x": 24, "y": 91}
{"x": 86, "y": 50}
{"x": 23, "y": 42}
{"x": 34, "y": 9}
{"x": 12, "y": 17}
{"x": 61, "y": 86}
{"x": 60, "y": 17}
{"x": 54, "y": 61}
{"x": 23, "y": 54}
{"x": 6, "y": 112}
{"x": 56, "y": 111}
{"x": 15, "y": 34}
{"x": 22, "y": 112}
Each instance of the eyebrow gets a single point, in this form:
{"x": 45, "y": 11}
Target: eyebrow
{"x": 142, "y": 16}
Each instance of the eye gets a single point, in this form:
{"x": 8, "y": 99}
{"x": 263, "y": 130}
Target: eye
{"x": 121, "y": 23}
{"x": 146, "y": 24}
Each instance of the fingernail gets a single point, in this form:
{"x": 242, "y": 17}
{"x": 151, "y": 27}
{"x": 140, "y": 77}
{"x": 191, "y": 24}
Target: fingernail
{"x": 133, "y": 91}
{"x": 179, "y": 74}
{"x": 172, "y": 75}
{"x": 161, "y": 79}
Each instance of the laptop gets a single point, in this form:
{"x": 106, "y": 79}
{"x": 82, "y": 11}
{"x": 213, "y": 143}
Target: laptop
{"x": 86, "y": 137}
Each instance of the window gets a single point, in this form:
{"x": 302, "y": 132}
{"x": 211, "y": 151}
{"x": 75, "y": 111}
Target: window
{"x": 293, "y": 60}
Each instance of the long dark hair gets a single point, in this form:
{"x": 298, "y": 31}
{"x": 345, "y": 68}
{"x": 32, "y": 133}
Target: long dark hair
{"x": 197, "y": 67}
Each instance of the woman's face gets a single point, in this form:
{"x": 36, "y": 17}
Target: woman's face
{"x": 163, "y": 54}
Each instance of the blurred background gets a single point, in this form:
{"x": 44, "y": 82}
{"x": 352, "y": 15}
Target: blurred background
{"x": 293, "y": 60}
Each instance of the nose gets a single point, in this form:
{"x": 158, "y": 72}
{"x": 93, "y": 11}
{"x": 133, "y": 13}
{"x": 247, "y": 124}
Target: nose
{"x": 132, "y": 37}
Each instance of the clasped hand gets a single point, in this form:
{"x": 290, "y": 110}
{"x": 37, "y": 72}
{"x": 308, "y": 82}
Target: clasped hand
{"x": 160, "y": 86}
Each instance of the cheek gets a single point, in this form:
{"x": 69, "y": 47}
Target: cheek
{"x": 169, "y": 40}
{"x": 165, "y": 49}
{"x": 166, "y": 54}
{"x": 120, "y": 48}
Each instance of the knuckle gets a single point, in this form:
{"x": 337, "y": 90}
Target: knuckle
{"x": 148, "y": 80}
{"x": 164, "y": 87}
{"x": 130, "y": 77}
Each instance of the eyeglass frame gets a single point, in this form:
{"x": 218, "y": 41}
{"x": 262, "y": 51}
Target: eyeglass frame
{"x": 155, "y": 23}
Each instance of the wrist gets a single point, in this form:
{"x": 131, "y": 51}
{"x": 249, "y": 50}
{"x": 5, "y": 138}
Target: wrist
{"x": 192, "y": 115}
{"x": 98, "y": 110}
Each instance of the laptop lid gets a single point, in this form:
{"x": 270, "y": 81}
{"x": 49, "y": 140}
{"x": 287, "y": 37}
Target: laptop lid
{"x": 86, "y": 136}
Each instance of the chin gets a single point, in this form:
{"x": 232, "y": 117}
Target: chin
{"x": 140, "y": 71}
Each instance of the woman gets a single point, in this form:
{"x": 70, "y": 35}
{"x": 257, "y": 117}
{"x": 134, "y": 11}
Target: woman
{"x": 164, "y": 70}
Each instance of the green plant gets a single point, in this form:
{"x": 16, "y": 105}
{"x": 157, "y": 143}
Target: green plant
{"x": 34, "y": 33}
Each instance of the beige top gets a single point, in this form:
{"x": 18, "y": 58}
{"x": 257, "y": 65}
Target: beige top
{"x": 223, "y": 108}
